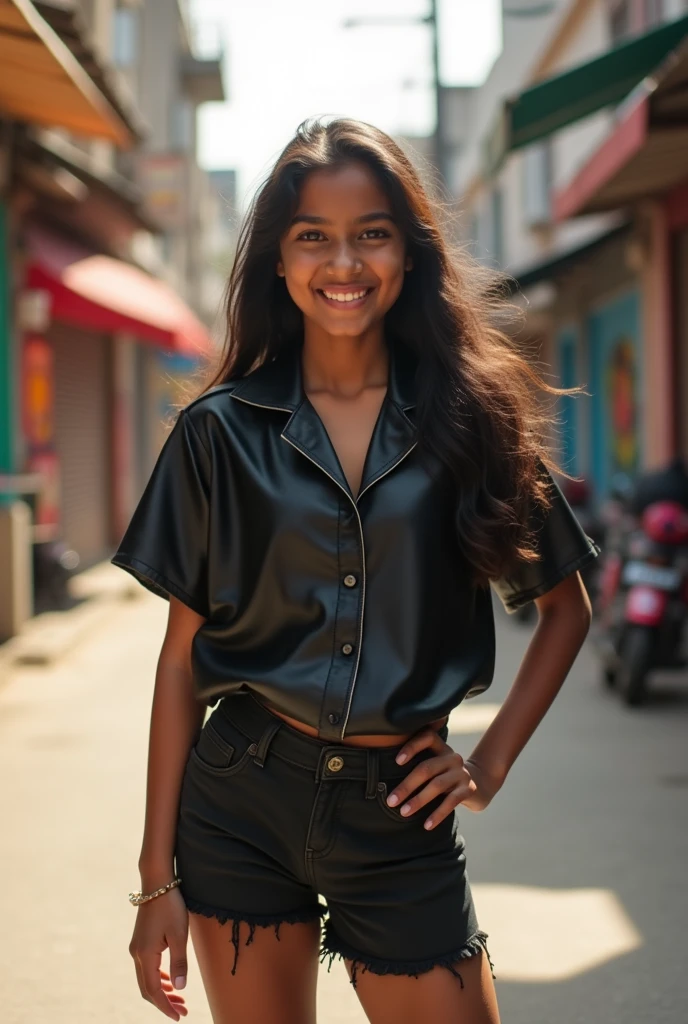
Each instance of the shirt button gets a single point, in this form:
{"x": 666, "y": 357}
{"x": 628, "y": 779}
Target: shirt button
{"x": 333, "y": 719}
{"x": 347, "y": 648}
{"x": 350, "y": 581}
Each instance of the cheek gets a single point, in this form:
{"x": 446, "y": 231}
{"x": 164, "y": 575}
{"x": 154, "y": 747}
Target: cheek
{"x": 389, "y": 268}
{"x": 298, "y": 275}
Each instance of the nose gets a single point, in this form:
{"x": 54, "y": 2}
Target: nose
{"x": 344, "y": 261}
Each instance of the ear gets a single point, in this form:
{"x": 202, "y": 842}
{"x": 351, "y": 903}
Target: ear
{"x": 409, "y": 263}
{"x": 280, "y": 269}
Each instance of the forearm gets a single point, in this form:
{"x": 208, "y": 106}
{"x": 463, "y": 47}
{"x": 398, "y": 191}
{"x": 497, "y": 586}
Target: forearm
{"x": 552, "y": 651}
{"x": 176, "y": 719}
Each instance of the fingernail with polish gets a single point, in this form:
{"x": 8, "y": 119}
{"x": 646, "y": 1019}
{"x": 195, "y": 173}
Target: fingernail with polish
{"x": 393, "y": 800}
{"x": 428, "y": 823}
{"x": 405, "y": 809}
{"x": 180, "y": 982}
{"x": 401, "y": 758}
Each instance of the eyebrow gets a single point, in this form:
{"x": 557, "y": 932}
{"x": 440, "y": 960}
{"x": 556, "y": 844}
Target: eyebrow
{"x": 307, "y": 218}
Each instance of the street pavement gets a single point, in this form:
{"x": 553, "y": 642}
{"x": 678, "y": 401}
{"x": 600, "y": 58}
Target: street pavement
{"x": 579, "y": 866}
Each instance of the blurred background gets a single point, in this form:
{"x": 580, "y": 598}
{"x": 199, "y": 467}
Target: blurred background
{"x": 133, "y": 134}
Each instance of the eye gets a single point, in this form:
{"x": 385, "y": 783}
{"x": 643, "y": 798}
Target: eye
{"x": 310, "y": 236}
{"x": 375, "y": 234}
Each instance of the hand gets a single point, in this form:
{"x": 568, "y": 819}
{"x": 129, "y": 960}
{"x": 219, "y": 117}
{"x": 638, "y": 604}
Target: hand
{"x": 464, "y": 782}
{"x": 161, "y": 924}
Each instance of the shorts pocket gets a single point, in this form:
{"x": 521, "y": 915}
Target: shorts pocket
{"x": 391, "y": 812}
{"x": 215, "y": 755}
{"x": 418, "y": 817}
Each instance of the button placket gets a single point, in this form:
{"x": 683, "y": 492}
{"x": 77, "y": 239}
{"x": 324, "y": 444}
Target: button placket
{"x": 347, "y": 625}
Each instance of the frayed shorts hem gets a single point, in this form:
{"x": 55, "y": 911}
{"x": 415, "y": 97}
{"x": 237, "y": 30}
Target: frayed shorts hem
{"x": 333, "y": 947}
{"x": 303, "y": 915}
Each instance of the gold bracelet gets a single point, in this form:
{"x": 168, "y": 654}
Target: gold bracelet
{"x": 137, "y": 898}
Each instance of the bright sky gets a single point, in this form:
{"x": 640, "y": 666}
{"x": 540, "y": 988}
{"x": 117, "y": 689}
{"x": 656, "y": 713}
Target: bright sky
{"x": 292, "y": 59}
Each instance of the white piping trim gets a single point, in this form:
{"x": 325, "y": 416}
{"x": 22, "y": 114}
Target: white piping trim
{"x": 388, "y": 470}
{"x": 350, "y": 692}
{"x": 246, "y": 401}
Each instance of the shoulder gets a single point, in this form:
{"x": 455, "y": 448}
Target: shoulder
{"x": 211, "y": 407}
{"x": 211, "y": 400}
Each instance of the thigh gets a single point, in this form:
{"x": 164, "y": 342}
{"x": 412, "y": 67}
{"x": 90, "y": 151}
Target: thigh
{"x": 241, "y": 831}
{"x": 436, "y": 996}
{"x": 398, "y": 896}
{"x": 277, "y": 975}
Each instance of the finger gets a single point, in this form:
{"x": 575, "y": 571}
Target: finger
{"x": 168, "y": 989}
{"x": 436, "y": 787}
{"x": 150, "y": 966}
{"x": 426, "y": 739}
{"x": 447, "y": 807}
{"x": 420, "y": 775}
{"x": 176, "y": 942}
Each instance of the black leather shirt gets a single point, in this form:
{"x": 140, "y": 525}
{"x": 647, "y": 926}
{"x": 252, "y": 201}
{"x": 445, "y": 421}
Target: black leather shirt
{"x": 354, "y": 616}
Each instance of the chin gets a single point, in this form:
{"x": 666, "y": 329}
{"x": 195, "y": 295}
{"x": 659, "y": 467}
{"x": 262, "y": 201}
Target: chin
{"x": 337, "y": 327}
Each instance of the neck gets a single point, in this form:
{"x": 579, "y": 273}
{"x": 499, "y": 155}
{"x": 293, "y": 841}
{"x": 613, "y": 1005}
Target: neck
{"x": 342, "y": 365}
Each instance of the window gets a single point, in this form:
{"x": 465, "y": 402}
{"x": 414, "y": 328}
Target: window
{"x": 537, "y": 184}
{"x": 125, "y": 37}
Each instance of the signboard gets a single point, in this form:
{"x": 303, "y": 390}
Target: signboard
{"x": 38, "y": 418}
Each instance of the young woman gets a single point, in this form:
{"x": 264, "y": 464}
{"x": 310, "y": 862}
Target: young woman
{"x": 325, "y": 521}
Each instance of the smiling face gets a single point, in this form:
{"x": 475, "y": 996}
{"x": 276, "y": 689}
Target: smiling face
{"x": 343, "y": 256}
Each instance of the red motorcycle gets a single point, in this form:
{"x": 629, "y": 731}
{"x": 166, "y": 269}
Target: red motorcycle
{"x": 643, "y": 600}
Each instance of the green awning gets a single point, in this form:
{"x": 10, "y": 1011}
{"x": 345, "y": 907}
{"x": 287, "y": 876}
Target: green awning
{"x": 557, "y": 102}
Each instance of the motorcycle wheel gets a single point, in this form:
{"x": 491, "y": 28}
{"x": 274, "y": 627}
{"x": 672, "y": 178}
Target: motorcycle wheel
{"x": 636, "y": 656}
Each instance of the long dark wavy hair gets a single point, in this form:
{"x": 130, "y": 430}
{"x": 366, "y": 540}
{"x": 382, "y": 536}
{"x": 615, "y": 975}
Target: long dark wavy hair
{"x": 479, "y": 408}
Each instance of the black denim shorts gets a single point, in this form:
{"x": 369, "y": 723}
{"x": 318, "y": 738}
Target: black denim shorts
{"x": 270, "y": 820}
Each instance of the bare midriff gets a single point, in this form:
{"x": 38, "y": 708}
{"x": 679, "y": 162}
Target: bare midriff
{"x": 354, "y": 741}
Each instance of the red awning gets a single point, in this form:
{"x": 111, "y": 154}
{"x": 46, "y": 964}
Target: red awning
{"x": 104, "y": 294}
{"x": 646, "y": 153}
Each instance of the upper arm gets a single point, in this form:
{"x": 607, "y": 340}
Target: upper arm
{"x": 182, "y": 625}
{"x": 569, "y": 596}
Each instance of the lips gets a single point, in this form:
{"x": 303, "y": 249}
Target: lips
{"x": 344, "y": 299}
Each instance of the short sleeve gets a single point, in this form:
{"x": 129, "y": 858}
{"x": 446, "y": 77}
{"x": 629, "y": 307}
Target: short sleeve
{"x": 563, "y": 548}
{"x": 165, "y": 546}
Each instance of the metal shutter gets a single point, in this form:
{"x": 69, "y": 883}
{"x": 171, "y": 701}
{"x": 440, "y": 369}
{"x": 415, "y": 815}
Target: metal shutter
{"x": 82, "y": 433}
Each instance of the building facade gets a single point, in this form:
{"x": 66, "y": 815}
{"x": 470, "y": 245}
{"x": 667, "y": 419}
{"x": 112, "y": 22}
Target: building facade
{"x": 106, "y": 276}
{"x": 591, "y": 282}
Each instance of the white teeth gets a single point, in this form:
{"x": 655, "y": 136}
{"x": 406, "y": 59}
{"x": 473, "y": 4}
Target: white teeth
{"x": 345, "y": 296}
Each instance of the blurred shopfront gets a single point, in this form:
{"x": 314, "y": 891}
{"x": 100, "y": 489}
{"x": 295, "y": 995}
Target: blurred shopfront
{"x": 615, "y": 314}
{"x": 87, "y": 324}
{"x": 87, "y": 375}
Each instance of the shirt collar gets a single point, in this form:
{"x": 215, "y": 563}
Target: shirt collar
{"x": 279, "y": 384}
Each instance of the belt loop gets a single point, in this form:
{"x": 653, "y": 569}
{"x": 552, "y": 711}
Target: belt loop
{"x": 264, "y": 744}
{"x": 373, "y": 773}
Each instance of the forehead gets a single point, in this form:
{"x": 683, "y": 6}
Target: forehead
{"x": 349, "y": 190}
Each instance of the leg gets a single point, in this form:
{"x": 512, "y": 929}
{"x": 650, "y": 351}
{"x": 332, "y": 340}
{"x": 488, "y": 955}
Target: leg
{"x": 401, "y": 915}
{"x": 436, "y": 996}
{"x": 276, "y": 974}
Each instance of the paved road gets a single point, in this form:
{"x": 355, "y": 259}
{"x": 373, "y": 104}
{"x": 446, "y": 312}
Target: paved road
{"x": 579, "y": 867}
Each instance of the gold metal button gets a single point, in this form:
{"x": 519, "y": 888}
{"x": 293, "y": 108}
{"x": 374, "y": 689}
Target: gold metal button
{"x": 335, "y": 764}
{"x": 349, "y": 581}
